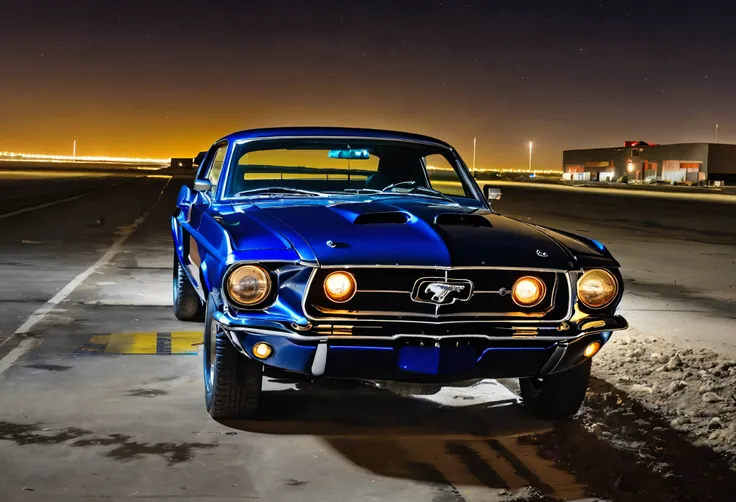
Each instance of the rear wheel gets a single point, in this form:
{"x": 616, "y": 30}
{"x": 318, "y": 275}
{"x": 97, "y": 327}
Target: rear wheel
{"x": 232, "y": 381}
{"x": 187, "y": 304}
{"x": 557, "y": 396}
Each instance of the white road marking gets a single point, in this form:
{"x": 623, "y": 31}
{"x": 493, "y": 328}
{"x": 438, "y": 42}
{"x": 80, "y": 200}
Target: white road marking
{"x": 53, "y": 202}
{"x": 41, "y": 206}
{"x": 24, "y": 346}
{"x": 37, "y": 316}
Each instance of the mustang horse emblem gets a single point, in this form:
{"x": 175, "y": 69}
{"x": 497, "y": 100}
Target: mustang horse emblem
{"x": 440, "y": 290}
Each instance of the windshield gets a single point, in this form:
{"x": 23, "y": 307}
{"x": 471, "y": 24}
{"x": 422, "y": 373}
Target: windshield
{"x": 320, "y": 167}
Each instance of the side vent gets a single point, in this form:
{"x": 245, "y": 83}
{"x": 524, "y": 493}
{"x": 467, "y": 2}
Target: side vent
{"x": 378, "y": 218}
{"x": 461, "y": 220}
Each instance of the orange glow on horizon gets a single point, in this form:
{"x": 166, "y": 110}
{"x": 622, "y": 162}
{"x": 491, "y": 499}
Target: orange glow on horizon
{"x": 40, "y": 157}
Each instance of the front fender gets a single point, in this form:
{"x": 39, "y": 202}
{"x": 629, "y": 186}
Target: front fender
{"x": 176, "y": 236}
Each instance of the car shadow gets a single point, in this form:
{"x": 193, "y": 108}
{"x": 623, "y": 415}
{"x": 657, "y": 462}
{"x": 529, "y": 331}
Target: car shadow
{"x": 456, "y": 439}
{"x": 340, "y": 409}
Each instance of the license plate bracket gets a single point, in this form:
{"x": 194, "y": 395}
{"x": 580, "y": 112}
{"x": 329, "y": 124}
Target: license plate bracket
{"x": 424, "y": 360}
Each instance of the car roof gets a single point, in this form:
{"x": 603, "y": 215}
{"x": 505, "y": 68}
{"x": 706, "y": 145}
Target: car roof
{"x": 341, "y": 132}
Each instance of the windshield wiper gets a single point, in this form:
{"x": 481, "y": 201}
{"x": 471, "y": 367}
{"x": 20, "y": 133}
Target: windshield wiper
{"x": 361, "y": 190}
{"x": 421, "y": 189}
{"x": 279, "y": 191}
{"x": 430, "y": 191}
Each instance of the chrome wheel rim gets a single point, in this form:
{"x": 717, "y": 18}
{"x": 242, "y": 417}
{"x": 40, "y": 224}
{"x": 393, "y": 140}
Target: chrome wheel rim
{"x": 212, "y": 351}
{"x": 175, "y": 282}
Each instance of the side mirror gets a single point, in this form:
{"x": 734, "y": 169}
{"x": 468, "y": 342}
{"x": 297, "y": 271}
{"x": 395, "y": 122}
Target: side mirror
{"x": 491, "y": 193}
{"x": 202, "y": 185}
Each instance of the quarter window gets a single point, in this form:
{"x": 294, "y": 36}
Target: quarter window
{"x": 443, "y": 177}
{"x": 216, "y": 169}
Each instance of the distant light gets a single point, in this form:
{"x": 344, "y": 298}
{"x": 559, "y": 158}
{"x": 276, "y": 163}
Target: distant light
{"x": 630, "y": 167}
{"x": 500, "y": 170}
{"x": 64, "y": 158}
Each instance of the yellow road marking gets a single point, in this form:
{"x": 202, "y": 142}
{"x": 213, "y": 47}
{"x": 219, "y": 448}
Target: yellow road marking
{"x": 131, "y": 343}
{"x": 183, "y": 342}
{"x": 145, "y": 343}
{"x": 99, "y": 340}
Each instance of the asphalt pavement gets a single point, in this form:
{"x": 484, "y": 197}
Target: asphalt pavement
{"x": 101, "y": 392}
{"x": 677, "y": 252}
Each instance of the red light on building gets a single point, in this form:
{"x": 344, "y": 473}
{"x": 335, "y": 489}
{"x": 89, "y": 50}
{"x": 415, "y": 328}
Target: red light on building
{"x": 629, "y": 144}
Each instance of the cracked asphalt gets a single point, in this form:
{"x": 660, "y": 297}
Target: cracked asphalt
{"x": 105, "y": 401}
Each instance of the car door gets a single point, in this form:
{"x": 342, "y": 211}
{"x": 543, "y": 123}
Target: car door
{"x": 194, "y": 208}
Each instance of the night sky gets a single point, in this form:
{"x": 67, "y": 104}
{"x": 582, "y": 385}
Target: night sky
{"x": 166, "y": 78}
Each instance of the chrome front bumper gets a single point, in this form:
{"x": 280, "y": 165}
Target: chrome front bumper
{"x": 422, "y": 353}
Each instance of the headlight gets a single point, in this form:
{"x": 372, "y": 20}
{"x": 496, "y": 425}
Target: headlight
{"x": 248, "y": 285}
{"x": 597, "y": 288}
{"x": 528, "y": 291}
{"x": 340, "y": 286}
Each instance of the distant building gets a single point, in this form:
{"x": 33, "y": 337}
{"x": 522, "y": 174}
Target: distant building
{"x": 182, "y": 163}
{"x": 696, "y": 163}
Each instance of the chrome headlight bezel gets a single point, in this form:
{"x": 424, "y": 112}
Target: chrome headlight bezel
{"x": 541, "y": 289}
{"x": 607, "y": 275}
{"x": 353, "y": 285}
{"x": 261, "y": 273}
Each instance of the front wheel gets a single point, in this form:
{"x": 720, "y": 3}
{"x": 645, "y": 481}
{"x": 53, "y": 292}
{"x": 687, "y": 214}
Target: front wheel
{"x": 557, "y": 396}
{"x": 187, "y": 305}
{"x": 232, "y": 381}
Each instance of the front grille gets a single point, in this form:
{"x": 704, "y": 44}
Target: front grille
{"x": 386, "y": 293}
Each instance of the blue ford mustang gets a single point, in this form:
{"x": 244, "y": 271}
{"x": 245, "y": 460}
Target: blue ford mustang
{"x": 374, "y": 256}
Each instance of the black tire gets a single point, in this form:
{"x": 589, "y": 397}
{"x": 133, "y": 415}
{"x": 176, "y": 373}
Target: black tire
{"x": 232, "y": 381}
{"x": 187, "y": 304}
{"x": 558, "y": 396}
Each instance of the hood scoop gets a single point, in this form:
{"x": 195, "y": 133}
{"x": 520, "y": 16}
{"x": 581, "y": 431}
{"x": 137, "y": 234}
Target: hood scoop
{"x": 461, "y": 220}
{"x": 381, "y": 218}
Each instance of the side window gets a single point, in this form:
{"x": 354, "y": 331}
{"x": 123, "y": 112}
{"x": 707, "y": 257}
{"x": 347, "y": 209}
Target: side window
{"x": 214, "y": 173}
{"x": 204, "y": 166}
{"x": 443, "y": 177}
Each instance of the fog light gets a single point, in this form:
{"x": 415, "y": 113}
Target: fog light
{"x": 262, "y": 350}
{"x": 592, "y": 349}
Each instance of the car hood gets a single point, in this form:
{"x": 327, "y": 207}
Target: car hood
{"x": 402, "y": 231}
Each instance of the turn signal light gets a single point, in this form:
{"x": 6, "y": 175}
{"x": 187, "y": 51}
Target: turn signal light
{"x": 262, "y": 350}
{"x": 592, "y": 349}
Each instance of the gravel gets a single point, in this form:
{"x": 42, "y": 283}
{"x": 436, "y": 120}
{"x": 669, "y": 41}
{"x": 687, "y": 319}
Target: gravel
{"x": 694, "y": 390}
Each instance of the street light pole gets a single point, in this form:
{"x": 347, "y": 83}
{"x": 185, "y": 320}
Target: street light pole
{"x": 530, "y": 156}
{"x": 716, "y": 133}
